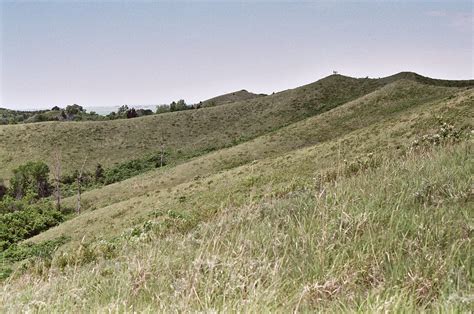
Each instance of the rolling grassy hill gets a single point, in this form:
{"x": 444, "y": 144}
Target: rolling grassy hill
{"x": 240, "y": 95}
{"x": 315, "y": 199}
{"x": 399, "y": 113}
{"x": 186, "y": 134}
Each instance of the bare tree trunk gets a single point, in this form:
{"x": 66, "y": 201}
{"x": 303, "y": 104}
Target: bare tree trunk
{"x": 162, "y": 154}
{"x": 162, "y": 150}
{"x": 79, "y": 190}
{"x": 78, "y": 208}
{"x": 57, "y": 177}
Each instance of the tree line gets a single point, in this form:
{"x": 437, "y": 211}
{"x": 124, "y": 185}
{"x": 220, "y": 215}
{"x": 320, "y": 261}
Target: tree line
{"x": 78, "y": 113}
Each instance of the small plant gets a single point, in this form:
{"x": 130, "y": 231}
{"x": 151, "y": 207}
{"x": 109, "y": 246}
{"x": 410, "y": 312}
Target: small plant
{"x": 445, "y": 134}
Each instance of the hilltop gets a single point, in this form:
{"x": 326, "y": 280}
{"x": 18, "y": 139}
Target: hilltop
{"x": 240, "y": 95}
{"x": 341, "y": 195}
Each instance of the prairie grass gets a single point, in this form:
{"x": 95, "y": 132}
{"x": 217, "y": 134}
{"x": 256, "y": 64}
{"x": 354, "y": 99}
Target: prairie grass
{"x": 365, "y": 242}
{"x": 233, "y": 175}
{"x": 185, "y": 133}
{"x": 341, "y": 195}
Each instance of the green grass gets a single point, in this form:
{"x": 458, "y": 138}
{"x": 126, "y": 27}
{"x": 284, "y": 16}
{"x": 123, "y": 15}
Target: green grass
{"x": 347, "y": 245}
{"x": 186, "y": 133}
{"x": 330, "y": 209}
{"x": 402, "y": 109}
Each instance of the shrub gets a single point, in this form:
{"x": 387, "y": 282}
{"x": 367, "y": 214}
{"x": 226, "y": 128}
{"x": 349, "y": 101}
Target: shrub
{"x": 31, "y": 177}
{"x": 25, "y": 223}
{"x": 3, "y": 190}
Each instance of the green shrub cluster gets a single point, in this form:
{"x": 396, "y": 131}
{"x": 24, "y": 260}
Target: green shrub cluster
{"x": 31, "y": 220}
{"x": 104, "y": 176}
{"x": 25, "y": 251}
{"x": 130, "y": 168}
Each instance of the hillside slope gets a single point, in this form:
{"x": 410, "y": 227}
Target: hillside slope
{"x": 301, "y": 232}
{"x": 240, "y": 95}
{"x": 185, "y": 134}
{"x": 385, "y": 119}
{"x": 341, "y": 203}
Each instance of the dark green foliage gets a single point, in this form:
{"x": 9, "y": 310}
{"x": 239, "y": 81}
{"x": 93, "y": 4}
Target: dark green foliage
{"x": 74, "y": 109}
{"x": 162, "y": 109}
{"x": 173, "y": 106}
{"x": 122, "y": 110}
{"x": 102, "y": 176}
{"x": 8, "y": 116}
{"x": 129, "y": 169}
{"x": 99, "y": 174}
{"x": 23, "y": 224}
{"x": 31, "y": 178}
{"x": 3, "y": 190}
{"x": 19, "y": 252}
{"x": 132, "y": 113}
{"x": 144, "y": 112}
{"x": 181, "y": 105}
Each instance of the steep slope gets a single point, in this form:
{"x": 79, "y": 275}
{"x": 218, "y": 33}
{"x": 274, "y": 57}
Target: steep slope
{"x": 185, "y": 133}
{"x": 240, "y": 95}
{"x": 386, "y": 119}
{"x": 295, "y": 243}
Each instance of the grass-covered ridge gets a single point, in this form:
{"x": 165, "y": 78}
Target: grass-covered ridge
{"x": 385, "y": 119}
{"x": 240, "y": 95}
{"x": 363, "y": 204}
{"x": 185, "y": 134}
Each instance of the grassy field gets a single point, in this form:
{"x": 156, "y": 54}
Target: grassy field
{"x": 402, "y": 243}
{"x": 185, "y": 134}
{"x": 334, "y": 208}
{"x": 405, "y": 106}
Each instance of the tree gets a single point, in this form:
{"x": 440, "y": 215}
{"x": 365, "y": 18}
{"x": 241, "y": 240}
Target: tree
{"x": 131, "y": 113}
{"x": 122, "y": 111}
{"x": 99, "y": 173}
{"x": 55, "y": 108}
{"x": 144, "y": 112}
{"x": 162, "y": 153}
{"x": 181, "y": 105}
{"x": 162, "y": 108}
{"x": 79, "y": 186}
{"x": 74, "y": 109}
{"x": 57, "y": 178}
{"x": 173, "y": 106}
{"x": 31, "y": 177}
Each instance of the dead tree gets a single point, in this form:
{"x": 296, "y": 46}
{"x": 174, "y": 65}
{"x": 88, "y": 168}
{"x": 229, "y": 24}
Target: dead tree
{"x": 57, "y": 177}
{"x": 79, "y": 186}
{"x": 162, "y": 154}
{"x": 162, "y": 150}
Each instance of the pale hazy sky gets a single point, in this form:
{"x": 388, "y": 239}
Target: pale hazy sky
{"x": 113, "y": 53}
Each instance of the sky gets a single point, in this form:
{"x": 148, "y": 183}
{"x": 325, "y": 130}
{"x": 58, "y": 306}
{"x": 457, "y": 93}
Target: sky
{"x": 100, "y": 53}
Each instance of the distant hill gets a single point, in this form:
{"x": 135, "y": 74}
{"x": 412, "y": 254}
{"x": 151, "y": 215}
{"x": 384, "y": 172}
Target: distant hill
{"x": 187, "y": 133}
{"x": 229, "y": 98}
